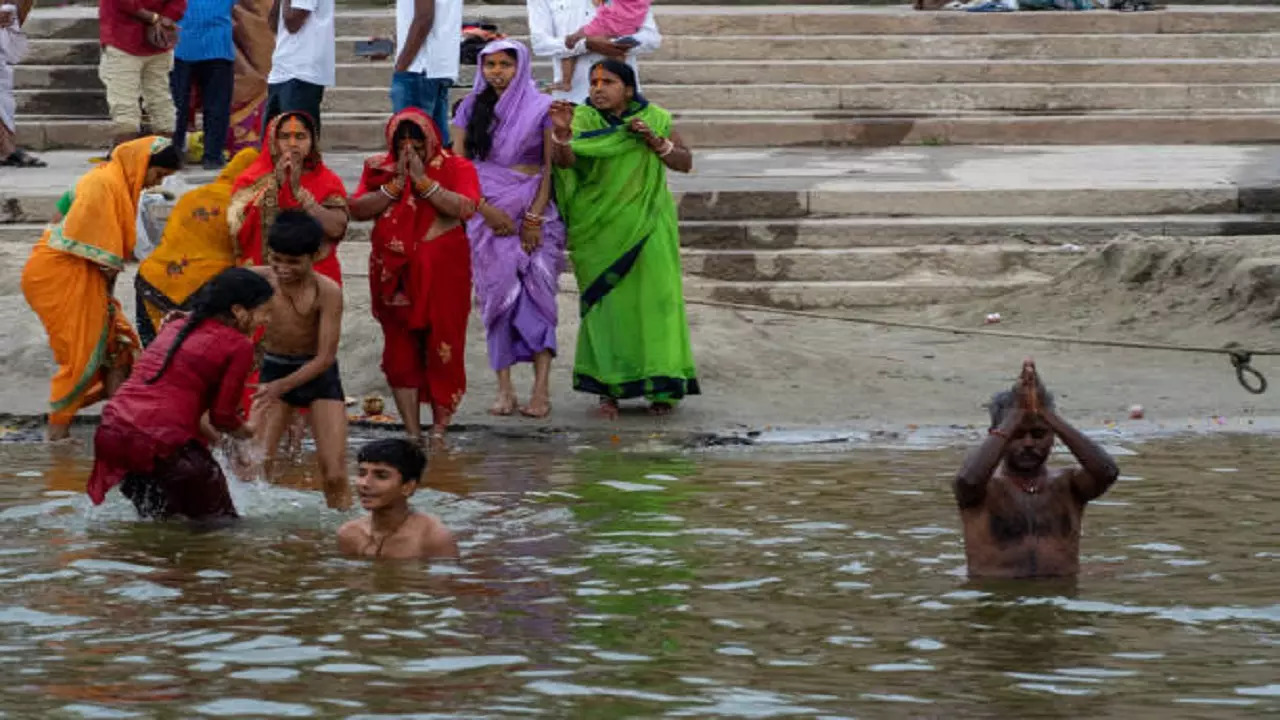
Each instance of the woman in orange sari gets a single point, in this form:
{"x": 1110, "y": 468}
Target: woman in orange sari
{"x": 70, "y": 277}
{"x": 288, "y": 174}
{"x": 419, "y": 194}
{"x": 195, "y": 247}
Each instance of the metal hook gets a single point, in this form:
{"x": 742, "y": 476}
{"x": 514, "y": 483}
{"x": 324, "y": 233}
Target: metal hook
{"x": 1240, "y": 361}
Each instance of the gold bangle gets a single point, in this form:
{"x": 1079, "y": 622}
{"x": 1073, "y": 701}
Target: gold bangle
{"x": 558, "y": 141}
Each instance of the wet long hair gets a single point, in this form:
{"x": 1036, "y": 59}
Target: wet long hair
{"x": 214, "y": 300}
{"x": 483, "y": 116}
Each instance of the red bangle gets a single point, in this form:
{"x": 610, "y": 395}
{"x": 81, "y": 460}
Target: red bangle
{"x": 998, "y": 433}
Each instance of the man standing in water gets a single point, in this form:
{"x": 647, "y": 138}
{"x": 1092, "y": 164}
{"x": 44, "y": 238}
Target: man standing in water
{"x": 1022, "y": 519}
{"x": 300, "y": 365}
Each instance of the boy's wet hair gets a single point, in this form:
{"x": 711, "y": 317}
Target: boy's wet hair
{"x": 295, "y": 233}
{"x": 404, "y": 456}
{"x": 1002, "y": 402}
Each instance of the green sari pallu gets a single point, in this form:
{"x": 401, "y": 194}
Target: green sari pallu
{"x": 624, "y": 242}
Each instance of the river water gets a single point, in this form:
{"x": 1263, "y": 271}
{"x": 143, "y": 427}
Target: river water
{"x": 603, "y": 582}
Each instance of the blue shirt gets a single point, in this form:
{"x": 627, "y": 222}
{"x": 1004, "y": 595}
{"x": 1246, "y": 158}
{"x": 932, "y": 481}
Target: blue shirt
{"x": 206, "y": 32}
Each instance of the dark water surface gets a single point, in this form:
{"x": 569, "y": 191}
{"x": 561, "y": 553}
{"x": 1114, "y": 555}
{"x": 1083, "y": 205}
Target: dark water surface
{"x": 600, "y": 583}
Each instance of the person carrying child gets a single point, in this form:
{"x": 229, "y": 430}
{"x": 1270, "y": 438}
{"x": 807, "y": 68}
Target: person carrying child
{"x": 618, "y": 20}
{"x": 300, "y": 366}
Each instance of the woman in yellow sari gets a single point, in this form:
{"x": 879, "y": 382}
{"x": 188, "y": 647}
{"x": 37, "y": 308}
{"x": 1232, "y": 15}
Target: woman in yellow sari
{"x": 196, "y": 246}
{"x": 70, "y": 278}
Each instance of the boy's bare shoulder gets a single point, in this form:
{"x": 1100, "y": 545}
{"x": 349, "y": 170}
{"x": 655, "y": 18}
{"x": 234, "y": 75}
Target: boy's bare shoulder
{"x": 434, "y": 538}
{"x": 353, "y": 535}
{"x": 330, "y": 291}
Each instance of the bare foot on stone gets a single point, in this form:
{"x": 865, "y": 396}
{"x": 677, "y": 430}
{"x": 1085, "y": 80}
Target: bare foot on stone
{"x": 607, "y": 409}
{"x": 539, "y": 407}
{"x": 661, "y": 409}
{"x": 504, "y": 405}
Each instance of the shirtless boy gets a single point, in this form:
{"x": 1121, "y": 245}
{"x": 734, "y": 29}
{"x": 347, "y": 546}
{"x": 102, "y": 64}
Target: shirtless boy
{"x": 389, "y": 472}
{"x": 1022, "y": 519}
{"x": 300, "y": 366}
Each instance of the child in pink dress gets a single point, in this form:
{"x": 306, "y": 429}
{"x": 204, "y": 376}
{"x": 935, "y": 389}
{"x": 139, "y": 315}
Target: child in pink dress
{"x": 614, "y": 19}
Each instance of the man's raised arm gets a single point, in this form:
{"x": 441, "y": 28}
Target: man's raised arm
{"x": 970, "y": 483}
{"x": 1099, "y": 469}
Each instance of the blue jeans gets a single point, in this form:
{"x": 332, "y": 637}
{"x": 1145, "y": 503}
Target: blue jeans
{"x": 215, "y": 78}
{"x": 430, "y": 95}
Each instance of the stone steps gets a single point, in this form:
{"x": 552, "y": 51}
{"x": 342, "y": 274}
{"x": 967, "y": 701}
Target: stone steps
{"x": 81, "y": 23}
{"x": 905, "y": 233}
{"x": 885, "y": 98}
{"x": 1141, "y": 71}
{"x": 804, "y": 129}
{"x": 833, "y": 76}
{"x": 745, "y": 210}
{"x": 835, "y": 47}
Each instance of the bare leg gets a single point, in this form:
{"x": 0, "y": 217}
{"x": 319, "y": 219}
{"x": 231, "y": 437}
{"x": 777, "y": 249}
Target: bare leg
{"x": 506, "y": 402}
{"x": 271, "y": 421}
{"x": 410, "y": 409}
{"x": 568, "y": 66}
{"x": 295, "y": 435}
{"x": 113, "y": 379}
{"x": 329, "y": 426}
{"x": 440, "y": 419}
{"x": 57, "y": 432}
{"x": 540, "y": 400}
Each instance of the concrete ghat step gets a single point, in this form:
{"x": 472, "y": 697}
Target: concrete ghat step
{"x": 876, "y": 264}
{"x": 917, "y": 285}
{"x": 886, "y": 234}
{"x": 798, "y": 20}
{"x": 1006, "y": 97}
{"x": 708, "y": 129}
{"x": 17, "y": 206}
{"x": 832, "y": 72}
{"x": 921, "y": 289}
{"x": 860, "y": 47}
{"x": 1029, "y": 47}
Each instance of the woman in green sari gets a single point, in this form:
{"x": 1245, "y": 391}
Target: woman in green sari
{"x": 611, "y": 157}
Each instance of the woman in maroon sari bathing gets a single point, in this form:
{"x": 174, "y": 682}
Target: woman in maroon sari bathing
{"x": 153, "y": 440}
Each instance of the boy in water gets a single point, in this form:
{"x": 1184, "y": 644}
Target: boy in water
{"x": 389, "y": 473}
{"x": 1022, "y": 519}
{"x": 300, "y": 365}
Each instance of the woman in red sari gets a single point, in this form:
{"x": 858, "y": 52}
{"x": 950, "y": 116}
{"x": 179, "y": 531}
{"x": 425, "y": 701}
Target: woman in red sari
{"x": 419, "y": 195}
{"x": 289, "y": 174}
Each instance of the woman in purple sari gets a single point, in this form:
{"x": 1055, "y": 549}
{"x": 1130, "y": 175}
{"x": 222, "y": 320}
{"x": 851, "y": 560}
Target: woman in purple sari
{"x": 517, "y": 237}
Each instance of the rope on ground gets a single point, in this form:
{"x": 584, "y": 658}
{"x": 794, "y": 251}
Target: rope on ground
{"x": 1249, "y": 378}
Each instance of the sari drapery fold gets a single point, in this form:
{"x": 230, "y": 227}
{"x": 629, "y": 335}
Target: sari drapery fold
{"x": 624, "y": 243}
{"x": 421, "y": 289}
{"x": 517, "y": 290}
{"x": 196, "y": 244}
{"x": 257, "y": 198}
{"x": 69, "y": 277}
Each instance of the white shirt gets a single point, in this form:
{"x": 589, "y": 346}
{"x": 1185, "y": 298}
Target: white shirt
{"x": 551, "y": 21}
{"x": 308, "y": 54}
{"x": 441, "y": 52}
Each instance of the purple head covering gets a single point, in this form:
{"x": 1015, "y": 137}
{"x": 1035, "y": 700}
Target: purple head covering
{"x": 521, "y": 111}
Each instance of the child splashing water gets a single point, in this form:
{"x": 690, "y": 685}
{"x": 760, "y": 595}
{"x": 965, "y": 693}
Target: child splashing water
{"x": 154, "y": 435}
{"x": 615, "y": 19}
